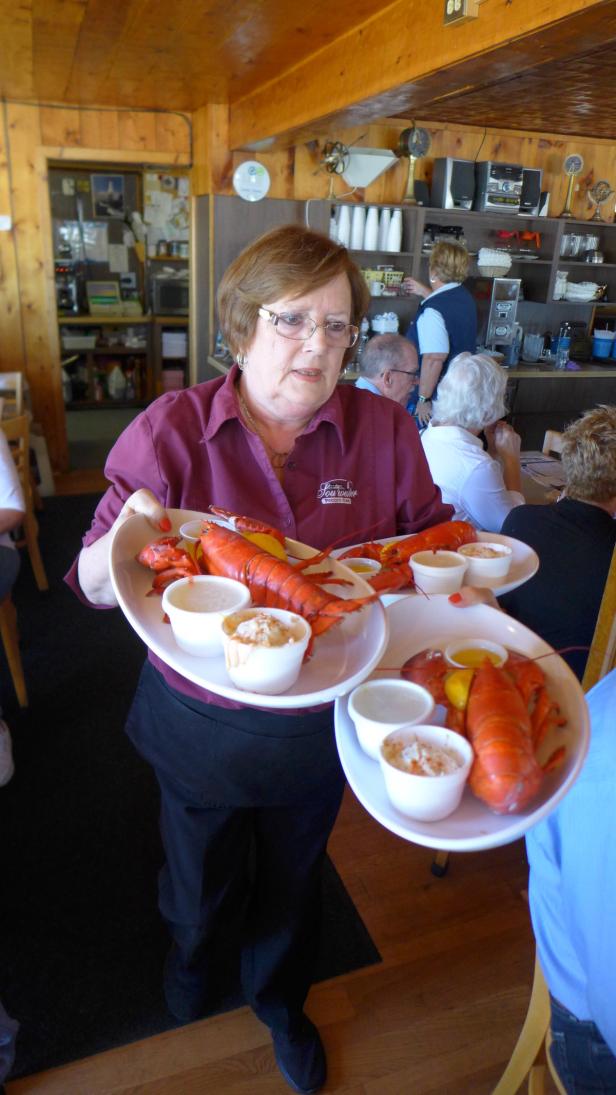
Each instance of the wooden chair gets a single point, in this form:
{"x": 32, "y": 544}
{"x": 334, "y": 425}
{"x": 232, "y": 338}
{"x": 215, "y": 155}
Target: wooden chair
{"x": 12, "y": 392}
{"x": 10, "y": 639}
{"x": 602, "y": 653}
{"x": 17, "y": 431}
{"x": 534, "y": 1034}
{"x": 552, "y": 443}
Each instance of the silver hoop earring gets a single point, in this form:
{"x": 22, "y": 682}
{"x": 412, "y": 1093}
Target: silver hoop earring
{"x": 241, "y": 360}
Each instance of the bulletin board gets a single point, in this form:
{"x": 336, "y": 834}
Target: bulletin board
{"x": 166, "y": 206}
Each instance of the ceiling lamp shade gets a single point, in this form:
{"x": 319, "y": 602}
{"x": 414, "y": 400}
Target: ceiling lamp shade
{"x": 366, "y": 164}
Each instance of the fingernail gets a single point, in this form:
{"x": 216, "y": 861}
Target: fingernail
{"x": 455, "y": 598}
{"x": 164, "y": 524}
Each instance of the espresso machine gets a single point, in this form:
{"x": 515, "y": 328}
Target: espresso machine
{"x": 496, "y": 312}
{"x": 67, "y": 295}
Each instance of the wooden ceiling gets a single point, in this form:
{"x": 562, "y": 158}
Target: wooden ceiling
{"x": 155, "y": 55}
{"x": 160, "y": 54}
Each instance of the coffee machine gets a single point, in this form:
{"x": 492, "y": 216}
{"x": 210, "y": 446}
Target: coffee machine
{"x": 67, "y": 296}
{"x": 497, "y": 310}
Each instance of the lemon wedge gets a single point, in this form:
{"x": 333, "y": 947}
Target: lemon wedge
{"x": 457, "y": 687}
{"x": 267, "y": 542}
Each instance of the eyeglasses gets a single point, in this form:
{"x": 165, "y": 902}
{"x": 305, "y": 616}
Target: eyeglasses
{"x": 407, "y": 373}
{"x": 300, "y": 327}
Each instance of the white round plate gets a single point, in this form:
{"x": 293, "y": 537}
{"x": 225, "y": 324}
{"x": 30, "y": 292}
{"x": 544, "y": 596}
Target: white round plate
{"x": 415, "y": 624}
{"x": 342, "y": 657}
{"x": 251, "y": 180}
{"x": 524, "y": 561}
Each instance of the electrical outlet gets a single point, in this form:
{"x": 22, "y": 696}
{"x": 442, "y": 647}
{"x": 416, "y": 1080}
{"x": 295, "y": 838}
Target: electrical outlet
{"x": 458, "y": 11}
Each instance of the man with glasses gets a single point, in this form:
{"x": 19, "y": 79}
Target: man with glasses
{"x": 389, "y": 366}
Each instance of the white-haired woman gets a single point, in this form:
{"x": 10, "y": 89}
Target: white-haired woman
{"x": 482, "y": 486}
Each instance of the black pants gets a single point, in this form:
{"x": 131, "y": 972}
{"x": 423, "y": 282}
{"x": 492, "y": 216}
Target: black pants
{"x": 248, "y": 800}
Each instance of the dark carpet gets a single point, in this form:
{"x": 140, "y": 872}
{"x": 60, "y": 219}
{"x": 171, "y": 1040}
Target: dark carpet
{"x": 81, "y": 942}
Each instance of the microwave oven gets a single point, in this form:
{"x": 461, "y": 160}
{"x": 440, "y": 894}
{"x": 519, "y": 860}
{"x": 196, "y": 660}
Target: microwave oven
{"x": 170, "y": 296}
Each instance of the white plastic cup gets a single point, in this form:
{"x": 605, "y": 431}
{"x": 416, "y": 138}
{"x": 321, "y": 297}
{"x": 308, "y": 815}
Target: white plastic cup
{"x": 394, "y": 233}
{"x": 486, "y": 571}
{"x": 196, "y": 607}
{"x": 424, "y": 797}
{"x": 384, "y": 223}
{"x": 344, "y": 225}
{"x": 268, "y": 670}
{"x": 371, "y": 232}
{"x": 452, "y": 650}
{"x": 377, "y": 707}
{"x": 438, "y": 571}
{"x": 358, "y": 227}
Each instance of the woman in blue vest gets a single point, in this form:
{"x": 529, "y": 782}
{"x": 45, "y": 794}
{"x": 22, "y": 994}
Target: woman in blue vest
{"x": 446, "y": 320}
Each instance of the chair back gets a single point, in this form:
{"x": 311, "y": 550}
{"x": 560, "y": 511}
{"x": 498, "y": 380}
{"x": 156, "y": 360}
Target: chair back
{"x": 602, "y": 653}
{"x": 12, "y": 392}
{"x": 552, "y": 442}
{"x": 17, "y": 432}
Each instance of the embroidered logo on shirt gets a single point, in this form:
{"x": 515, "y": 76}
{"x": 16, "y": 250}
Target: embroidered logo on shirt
{"x": 339, "y": 491}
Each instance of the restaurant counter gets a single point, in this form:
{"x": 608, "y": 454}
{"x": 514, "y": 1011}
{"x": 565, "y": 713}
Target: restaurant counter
{"x": 537, "y": 396}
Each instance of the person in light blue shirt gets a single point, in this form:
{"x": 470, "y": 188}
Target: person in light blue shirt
{"x": 572, "y": 890}
{"x": 389, "y": 366}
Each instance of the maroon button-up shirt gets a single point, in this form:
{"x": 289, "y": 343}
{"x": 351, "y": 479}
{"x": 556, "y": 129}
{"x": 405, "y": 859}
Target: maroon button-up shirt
{"x": 357, "y": 472}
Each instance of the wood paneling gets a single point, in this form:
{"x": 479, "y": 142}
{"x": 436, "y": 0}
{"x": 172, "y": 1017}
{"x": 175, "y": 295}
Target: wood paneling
{"x": 152, "y": 55}
{"x": 563, "y": 96}
{"x": 404, "y": 59}
{"x": 31, "y": 136}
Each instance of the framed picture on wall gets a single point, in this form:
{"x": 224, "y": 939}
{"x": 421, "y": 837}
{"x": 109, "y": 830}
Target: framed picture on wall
{"x": 107, "y": 195}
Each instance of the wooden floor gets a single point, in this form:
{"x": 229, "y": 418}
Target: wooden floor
{"x": 440, "y": 1014}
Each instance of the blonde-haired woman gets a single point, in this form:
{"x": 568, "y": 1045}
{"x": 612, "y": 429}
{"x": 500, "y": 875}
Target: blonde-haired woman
{"x": 446, "y": 320}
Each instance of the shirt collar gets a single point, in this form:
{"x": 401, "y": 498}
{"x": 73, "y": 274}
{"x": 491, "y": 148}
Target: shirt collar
{"x": 225, "y": 406}
{"x": 363, "y": 382}
{"x": 442, "y": 289}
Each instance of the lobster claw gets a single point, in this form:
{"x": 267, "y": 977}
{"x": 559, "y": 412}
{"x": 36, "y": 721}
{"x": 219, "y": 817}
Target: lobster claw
{"x": 238, "y": 523}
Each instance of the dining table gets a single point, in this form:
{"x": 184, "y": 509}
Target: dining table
{"x": 542, "y": 477}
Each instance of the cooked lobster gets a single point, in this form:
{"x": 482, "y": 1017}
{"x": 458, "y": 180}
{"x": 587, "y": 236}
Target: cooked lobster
{"x": 394, "y": 556}
{"x": 508, "y": 713}
{"x": 272, "y": 582}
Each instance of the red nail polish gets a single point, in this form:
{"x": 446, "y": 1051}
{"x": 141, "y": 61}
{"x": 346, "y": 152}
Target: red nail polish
{"x": 455, "y": 598}
{"x": 164, "y": 524}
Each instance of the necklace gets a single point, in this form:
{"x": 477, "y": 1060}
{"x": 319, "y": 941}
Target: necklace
{"x": 277, "y": 459}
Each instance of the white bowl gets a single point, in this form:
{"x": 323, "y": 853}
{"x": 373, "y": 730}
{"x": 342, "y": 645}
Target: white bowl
{"x": 454, "y": 653}
{"x": 425, "y": 797}
{"x": 438, "y": 571}
{"x": 261, "y": 664}
{"x": 378, "y": 707}
{"x": 364, "y": 566}
{"x": 196, "y": 607}
{"x": 483, "y": 570}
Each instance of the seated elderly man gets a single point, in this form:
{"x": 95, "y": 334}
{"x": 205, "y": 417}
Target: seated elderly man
{"x": 389, "y": 366}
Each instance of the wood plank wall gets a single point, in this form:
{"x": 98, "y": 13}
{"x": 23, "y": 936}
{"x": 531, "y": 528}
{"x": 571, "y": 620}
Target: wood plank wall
{"x": 294, "y": 171}
{"x": 30, "y": 137}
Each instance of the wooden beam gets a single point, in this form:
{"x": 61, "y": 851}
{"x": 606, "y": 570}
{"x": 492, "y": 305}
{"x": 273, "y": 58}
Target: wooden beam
{"x": 404, "y": 58}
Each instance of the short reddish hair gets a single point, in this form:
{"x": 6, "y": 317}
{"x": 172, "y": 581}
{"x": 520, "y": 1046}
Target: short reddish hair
{"x": 285, "y": 262}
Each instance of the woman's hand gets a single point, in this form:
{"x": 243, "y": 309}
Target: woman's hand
{"x": 504, "y": 439}
{"x": 145, "y": 503}
{"x": 93, "y": 566}
{"x": 414, "y": 287}
{"x": 474, "y": 595}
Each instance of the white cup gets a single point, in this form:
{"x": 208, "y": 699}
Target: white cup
{"x": 196, "y": 607}
{"x": 438, "y": 571}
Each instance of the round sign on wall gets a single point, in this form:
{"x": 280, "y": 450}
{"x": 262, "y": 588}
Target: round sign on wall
{"x": 251, "y": 181}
